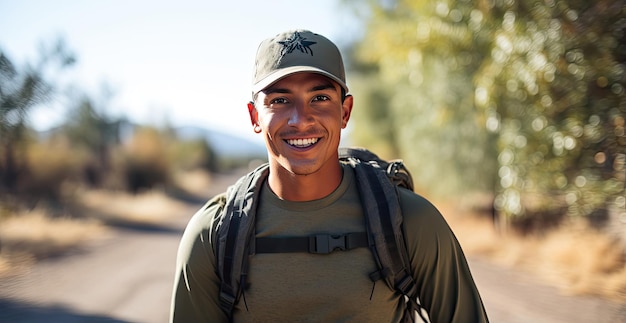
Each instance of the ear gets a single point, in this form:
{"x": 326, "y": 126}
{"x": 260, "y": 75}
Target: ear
{"x": 254, "y": 117}
{"x": 346, "y": 110}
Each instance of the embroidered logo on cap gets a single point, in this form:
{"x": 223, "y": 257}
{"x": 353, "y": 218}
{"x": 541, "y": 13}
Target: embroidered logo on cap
{"x": 296, "y": 42}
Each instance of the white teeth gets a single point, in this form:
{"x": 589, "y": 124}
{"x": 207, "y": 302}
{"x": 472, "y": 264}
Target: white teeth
{"x": 302, "y": 142}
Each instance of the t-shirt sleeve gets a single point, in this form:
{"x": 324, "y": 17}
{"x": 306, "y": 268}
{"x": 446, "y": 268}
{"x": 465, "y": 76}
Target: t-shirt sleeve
{"x": 446, "y": 287}
{"x": 196, "y": 285}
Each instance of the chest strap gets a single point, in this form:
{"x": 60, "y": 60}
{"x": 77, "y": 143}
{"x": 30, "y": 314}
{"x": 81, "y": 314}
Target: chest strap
{"x": 319, "y": 243}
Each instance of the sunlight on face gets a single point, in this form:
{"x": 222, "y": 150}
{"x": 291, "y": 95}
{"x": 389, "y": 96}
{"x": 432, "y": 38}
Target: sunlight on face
{"x": 301, "y": 117}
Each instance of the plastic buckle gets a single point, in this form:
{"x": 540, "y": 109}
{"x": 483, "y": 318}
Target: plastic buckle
{"x": 227, "y": 301}
{"x": 406, "y": 285}
{"x": 325, "y": 243}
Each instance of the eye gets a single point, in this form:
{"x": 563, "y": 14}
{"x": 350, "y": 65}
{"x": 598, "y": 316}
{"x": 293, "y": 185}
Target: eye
{"x": 279, "y": 100}
{"x": 321, "y": 98}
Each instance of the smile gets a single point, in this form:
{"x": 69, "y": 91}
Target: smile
{"x": 302, "y": 143}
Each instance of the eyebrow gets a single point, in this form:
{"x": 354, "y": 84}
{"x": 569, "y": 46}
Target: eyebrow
{"x": 316, "y": 88}
{"x": 322, "y": 87}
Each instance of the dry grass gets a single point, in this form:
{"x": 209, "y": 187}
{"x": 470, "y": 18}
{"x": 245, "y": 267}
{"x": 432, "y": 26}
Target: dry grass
{"x": 151, "y": 207}
{"x": 28, "y": 236}
{"x": 574, "y": 257}
{"x": 583, "y": 261}
{"x": 196, "y": 182}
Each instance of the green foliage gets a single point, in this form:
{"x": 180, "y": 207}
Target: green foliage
{"x": 86, "y": 126}
{"x": 422, "y": 66}
{"x": 21, "y": 89}
{"x": 523, "y": 97}
{"x": 374, "y": 123}
{"x": 89, "y": 128}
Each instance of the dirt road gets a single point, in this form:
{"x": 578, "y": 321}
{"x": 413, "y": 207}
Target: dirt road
{"x": 516, "y": 297}
{"x": 128, "y": 278}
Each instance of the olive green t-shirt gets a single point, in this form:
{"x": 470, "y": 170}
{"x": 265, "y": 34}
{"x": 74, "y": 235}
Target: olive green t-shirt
{"x": 335, "y": 287}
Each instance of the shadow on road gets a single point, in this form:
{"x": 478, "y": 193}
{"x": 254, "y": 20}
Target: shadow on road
{"x": 13, "y": 311}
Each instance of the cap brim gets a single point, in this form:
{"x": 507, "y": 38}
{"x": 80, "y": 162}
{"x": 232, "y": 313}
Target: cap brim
{"x": 284, "y": 72}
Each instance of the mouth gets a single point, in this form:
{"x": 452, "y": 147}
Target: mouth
{"x": 302, "y": 143}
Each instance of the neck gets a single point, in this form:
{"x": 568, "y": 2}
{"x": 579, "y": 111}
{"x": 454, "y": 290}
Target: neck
{"x": 299, "y": 188}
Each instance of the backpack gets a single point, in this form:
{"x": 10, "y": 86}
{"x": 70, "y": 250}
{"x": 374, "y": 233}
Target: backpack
{"x": 377, "y": 182}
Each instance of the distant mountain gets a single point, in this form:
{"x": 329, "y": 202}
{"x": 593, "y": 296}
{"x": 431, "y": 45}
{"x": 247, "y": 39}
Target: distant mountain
{"x": 224, "y": 144}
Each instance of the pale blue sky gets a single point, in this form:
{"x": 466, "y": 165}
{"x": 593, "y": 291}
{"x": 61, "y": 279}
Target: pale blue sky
{"x": 186, "y": 61}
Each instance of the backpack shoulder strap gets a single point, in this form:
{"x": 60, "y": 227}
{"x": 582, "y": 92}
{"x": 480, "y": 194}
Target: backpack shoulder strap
{"x": 377, "y": 183}
{"x": 233, "y": 235}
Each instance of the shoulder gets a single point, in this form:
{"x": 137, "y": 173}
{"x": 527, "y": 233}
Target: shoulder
{"x": 209, "y": 213}
{"x": 199, "y": 233}
{"x": 423, "y": 222}
{"x": 416, "y": 207}
{"x": 196, "y": 285}
{"x": 410, "y": 200}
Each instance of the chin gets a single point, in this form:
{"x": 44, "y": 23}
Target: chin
{"x": 301, "y": 168}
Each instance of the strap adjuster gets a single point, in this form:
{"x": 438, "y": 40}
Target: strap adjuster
{"x": 326, "y": 243}
{"x": 227, "y": 301}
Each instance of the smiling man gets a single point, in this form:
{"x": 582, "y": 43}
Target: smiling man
{"x": 298, "y": 239}
{"x": 301, "y": 117}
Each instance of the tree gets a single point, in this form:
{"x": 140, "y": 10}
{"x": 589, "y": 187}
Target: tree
{"x": 554, "y": 84}
{"x": 89, "y": 127}
{"x": 422, "y": 60}
{"x": 20, "y": 91}
{"x": 523, "y": 96}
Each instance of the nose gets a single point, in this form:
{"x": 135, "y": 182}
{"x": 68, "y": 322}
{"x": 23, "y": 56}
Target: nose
{"x": 301, "y": 115}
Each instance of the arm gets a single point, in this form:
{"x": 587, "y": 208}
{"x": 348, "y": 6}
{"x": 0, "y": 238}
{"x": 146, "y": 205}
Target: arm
{"x": 196, "y": 286}
{"x": 440, "y": 269}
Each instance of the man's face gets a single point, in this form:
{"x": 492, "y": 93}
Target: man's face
{"x": 301, "y": 117}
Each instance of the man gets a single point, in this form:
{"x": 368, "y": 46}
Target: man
{"x": 300, "y": 107}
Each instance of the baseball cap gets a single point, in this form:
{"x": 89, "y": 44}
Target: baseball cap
{"x": 296, "y": 51}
